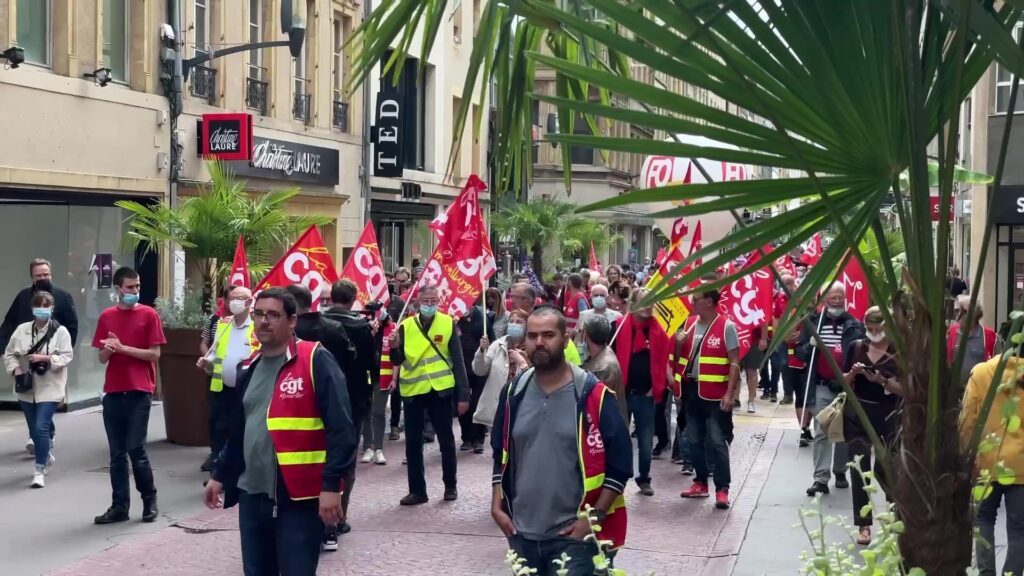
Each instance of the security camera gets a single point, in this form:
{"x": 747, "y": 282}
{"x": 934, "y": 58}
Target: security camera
{"x": 166, "y": 32}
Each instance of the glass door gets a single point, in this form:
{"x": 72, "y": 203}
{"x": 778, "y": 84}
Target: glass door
{"x": 391, "y": 237}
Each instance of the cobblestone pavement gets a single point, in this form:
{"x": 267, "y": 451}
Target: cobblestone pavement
{"x": 667, "y": 535}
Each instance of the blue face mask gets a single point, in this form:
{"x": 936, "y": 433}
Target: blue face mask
{"x": 516, "y": 332}
{"x": 130, "y": 299}
{"x": 42, "y": 313}
{"x": 428, "y": 311}
{"x": 599, "y": 302}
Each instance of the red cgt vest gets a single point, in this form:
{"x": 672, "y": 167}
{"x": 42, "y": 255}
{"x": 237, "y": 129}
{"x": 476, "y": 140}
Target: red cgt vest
{"x": 953, "y": 334}
{"x": 295, "y": 424}
{"x": 387, "y": 369}
{"x": 713, "y": 367}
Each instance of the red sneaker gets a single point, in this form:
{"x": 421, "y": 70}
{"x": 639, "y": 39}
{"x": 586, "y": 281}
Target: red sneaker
{"x": 696, "y": 490}
{"x": 722, "y": 498}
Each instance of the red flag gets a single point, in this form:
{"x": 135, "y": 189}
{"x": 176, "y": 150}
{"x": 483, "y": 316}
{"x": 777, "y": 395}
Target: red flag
{"x": 856, "y": 283}
{"x": 366, "y": 268}
{"x": 594, "y": 264}
{"x": 240, "y": 267}
{"x": 748, "y": 301}
{"x": 784, "y": 264}
{"x": 695, "y": 242}
{"x": 307, "y": 262}
{"x": 813, "y": 251}
{"x": 661, "y": 255}
{"x": 679, "y": 230}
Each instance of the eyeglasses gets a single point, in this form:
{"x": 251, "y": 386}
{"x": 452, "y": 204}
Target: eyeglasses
{"x": 259, "y": 315}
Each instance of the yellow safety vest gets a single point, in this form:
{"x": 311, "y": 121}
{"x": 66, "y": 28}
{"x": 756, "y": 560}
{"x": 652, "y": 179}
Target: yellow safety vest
{"x": 572, "y": 354}
{"x": 424, "y": 370}
{"x": 224, "y": 332}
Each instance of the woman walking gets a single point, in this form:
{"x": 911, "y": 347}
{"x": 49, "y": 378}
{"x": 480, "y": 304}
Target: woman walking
{"x": 501, "y": 361}
{"x": 37, "y": 356}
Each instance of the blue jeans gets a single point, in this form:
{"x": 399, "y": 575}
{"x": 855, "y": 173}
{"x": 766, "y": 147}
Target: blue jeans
{"x": 287, "y": 543}
{"x": 126, "y": 420}
{"x": 707, "y": 438}
{"x": 986, "y": 522}
{"x": 39, "y": 416}
{"x": 540, "y": 555}
{"x": 641, "y": 409}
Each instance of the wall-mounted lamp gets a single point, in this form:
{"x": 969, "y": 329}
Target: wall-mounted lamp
{"x": 101, "y": 77}
{"x": 14, "y": 56}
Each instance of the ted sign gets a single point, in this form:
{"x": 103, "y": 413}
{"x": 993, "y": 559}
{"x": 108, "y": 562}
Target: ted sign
{"x": 226, "y": 136}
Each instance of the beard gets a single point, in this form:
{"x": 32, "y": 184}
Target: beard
{"x": 545, "y": 360}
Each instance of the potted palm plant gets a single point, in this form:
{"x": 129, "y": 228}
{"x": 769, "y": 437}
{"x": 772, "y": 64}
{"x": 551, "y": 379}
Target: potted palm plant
{"x": 207, "y": 226}
{"x": 849, "y": 94}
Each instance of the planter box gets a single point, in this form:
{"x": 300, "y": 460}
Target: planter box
{"x": 184, "y": 388}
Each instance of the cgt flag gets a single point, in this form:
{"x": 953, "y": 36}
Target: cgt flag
{"x": 240, "y": 267}
{"x": 593, "y": 265}
{"x": 856, "y": 283}
{"x": 307, "y": 262}
{"x": 366, "y": 269}
{"x": 748, "y": 301}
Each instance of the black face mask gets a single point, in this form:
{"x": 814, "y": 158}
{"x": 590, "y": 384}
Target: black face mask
{"x": 43, "y": 285}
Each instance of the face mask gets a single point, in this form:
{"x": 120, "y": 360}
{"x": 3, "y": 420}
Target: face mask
{"x": 43, "y": 285}
{"x": 876, "y": 337}
{"x": 237, "y": 307}
{"x": 600, "y": 302}
{"x": 516, "y": 332}
{"x": 42, "y": 313}
{"x": 428, "y": 311}
{"x": 836, "y": 311}
{"x": 130, "y": 299}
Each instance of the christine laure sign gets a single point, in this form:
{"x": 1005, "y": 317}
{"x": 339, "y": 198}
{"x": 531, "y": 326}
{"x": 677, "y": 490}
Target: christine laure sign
{"x": 280, "y": 160}
{"x": 226, "y": 136}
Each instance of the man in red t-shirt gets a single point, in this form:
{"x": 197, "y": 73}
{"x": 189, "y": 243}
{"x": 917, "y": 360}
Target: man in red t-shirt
{"x": 128, "y": 336}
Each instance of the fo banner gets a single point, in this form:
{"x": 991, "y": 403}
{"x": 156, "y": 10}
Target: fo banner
{"x": 307, "y": 262}
{"x": 366, "y": 269}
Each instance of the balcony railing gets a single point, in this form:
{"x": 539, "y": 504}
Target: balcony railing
{"x": 256, "y": 95}
{"x": 339, "y": 119}
{"x": 203, "y": 83}
{"x": 300, "y": 107}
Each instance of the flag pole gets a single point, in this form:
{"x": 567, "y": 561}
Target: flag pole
{"x": 810, "y": 374}
{"x": 483, "y": 281}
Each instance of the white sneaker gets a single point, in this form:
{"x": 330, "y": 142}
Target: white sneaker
{"x": 38, "y": 479}
{"x": 378, "y": 458}
{"x": 750, "y": 407}
{"x": 367, "y": 456}
{"x": 50, "y": 461}
{"x": 30, "y": 447}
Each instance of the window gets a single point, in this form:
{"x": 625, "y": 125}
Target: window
{"x": 581, "y": 154}
{"x": 456, "y": 18}
{"x": 1004, "y": 80}
{"x": 33, "y": 30}
{"x": 201, "y": 22}
{"x": 338, "y": 59}
{"x": 255, "y": 35}
{"x": 115, "y": 38}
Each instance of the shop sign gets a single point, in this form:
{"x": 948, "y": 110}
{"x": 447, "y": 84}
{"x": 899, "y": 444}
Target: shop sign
{"x": 1008, "y": 205}
{"x": 226, "y": 136}
{"x": 935, "y": 209}
{"x": 279, "y": 160}
{"x": 387, "y": 136}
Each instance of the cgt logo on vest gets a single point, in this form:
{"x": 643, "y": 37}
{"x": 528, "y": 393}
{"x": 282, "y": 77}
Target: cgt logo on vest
{"x": 714, "y": 341}
{"x": 291, "y": 387}
{"x": 595, "y": 444}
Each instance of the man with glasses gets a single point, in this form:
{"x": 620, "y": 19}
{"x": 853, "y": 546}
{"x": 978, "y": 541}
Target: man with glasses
{"x": 427, "y": 347}
{"x": 291, "y": 443}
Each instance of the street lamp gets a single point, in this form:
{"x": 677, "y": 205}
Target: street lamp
{"x": 14, "y": 56}
{"x": 100, "y": 77}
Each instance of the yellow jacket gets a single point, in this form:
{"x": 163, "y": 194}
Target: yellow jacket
{"x": 1012, "y": 450}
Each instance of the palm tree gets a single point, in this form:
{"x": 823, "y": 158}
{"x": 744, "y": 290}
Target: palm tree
{"x": 207, "y": 226}
{"x": 848, "y": 93}
{"x": 539, "y": 224}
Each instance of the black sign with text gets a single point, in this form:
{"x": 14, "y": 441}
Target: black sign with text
{"x": 1008, "y": 205}
{"x": 387, "y": 137}
{"x": 279, "y": 160}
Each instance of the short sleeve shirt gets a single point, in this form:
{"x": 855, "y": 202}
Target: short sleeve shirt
{"x": 732, "y": 342}
{"x": 137, "y": 327}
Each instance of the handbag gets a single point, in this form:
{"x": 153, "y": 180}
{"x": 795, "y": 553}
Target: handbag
{"x": 23, "y": 382}
{"x": 830, "y": 418}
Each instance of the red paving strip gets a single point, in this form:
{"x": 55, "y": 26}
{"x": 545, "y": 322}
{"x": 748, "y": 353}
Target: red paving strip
{"x": 667, "y": 536}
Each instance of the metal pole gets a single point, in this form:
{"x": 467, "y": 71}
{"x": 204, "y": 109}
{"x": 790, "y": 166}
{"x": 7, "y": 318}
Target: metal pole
{"x": 175, "y": 108}
{"x": 367, "y": 115}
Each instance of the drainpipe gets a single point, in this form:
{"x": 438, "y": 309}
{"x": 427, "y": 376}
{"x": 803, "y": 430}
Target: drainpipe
{"x": 365, "y": 170}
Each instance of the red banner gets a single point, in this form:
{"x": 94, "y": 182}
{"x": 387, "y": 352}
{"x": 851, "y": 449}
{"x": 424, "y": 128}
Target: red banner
{"x": 784, "y": 264}
{"x": 307, "y": 262}
{"x": 748, "y": 301}
{"x": 240, "y": 267}
{"x": 695, "y": 242}
{"x": 679, "y": 230}
{"x": 594, "y": 265}
{"x": 366, "y": 268}
{"x": 813, "y": 251}
{"x": 857, "y": 294}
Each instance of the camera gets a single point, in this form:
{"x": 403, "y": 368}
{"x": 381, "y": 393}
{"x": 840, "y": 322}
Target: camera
{"x": 39, "y": 368}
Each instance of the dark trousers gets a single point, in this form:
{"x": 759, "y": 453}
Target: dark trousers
{"x": 220, "y": 404}
{"x": 126, "y": 420}
{"x": 471, "y": 432}
{"x": 1013, "y": 496}
{"x": 641, "y": 411}
{"x": 770, "y": 379}
{"x": 883, "y": 420}
{"x": 285, "y": 543}
{"x": 396, "y": 408}
{"x": 541, "y": 554}
{"x": 708, "y": 437}
{"x": 661, "y": 413}
{"x": 439, "y": 409}
{"x": 793, "y": 378}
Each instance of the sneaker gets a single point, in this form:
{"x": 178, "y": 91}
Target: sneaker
{"x": 658, "y": 450}
{"x": 367, "y": 456}
{"x": 765, "y": 396}
{"x": 773, "y": 398}
{"x": 646, "y": 489}
{"x": 451, "y": 494}
{"x": 30, "y": 447}
{"x": 394, "y": 434}
{"x": 414, "y": 500}
{"x": 736, "y": 403}
{"x": 329, "y": 543}
{"x": 678, "y": 460}
{"x": 696, "y": 490}
{"x": 149, "y": 509}
{"x": 750, "y": 407}
{"x": 722, "y": 498}
{"x": 38, "y": 479}
{"x": 817, "y": 488}
{"x": 344, "y": 527}
{"x": 786, "y": 399}
{"x": 428, "y": 437}
{"x": 841, "y": 481}
{"x": 378, "y": 458}
{"x": 465, "y": 446}
{"x": 113, "y": 514}
{"x": 478, "y": 447}
{"x": 405, "y": 461}
{"x": 687, "y": 470}
{"x": 207, "y": 464}
{"x": 806, "y": 438}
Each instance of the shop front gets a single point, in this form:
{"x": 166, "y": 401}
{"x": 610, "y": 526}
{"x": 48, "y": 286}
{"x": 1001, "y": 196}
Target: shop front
{"x": 403, "y": 232}
{"x": 1008, "y": 215}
